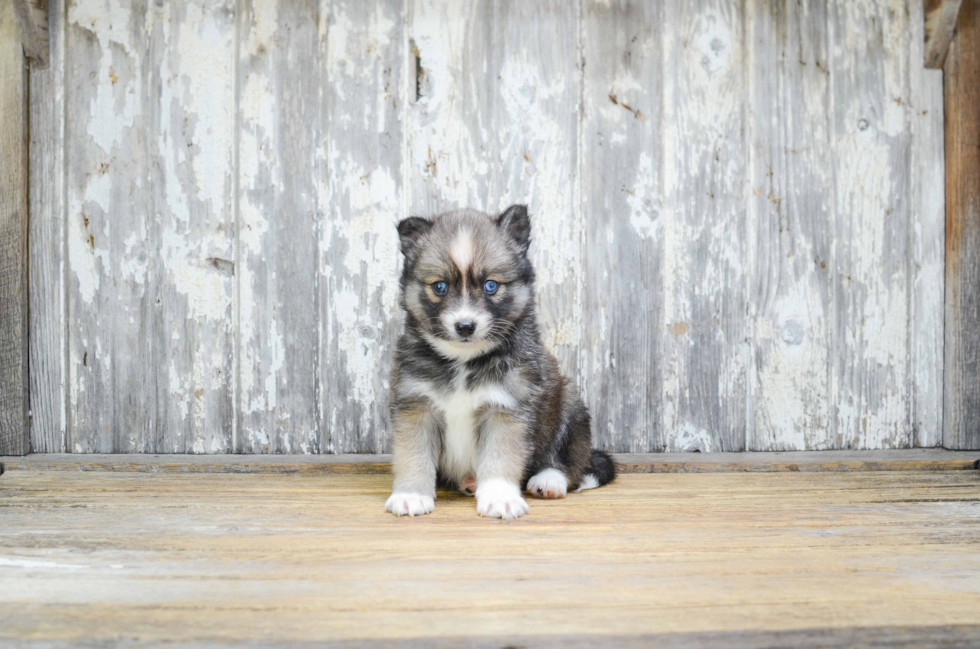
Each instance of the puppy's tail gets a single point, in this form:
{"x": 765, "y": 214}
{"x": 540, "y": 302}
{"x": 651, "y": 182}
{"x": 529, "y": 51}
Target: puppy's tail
{"x": 601, "y": 470}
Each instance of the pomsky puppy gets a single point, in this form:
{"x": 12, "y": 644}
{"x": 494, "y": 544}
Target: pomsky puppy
{"x": 478, "y": 404}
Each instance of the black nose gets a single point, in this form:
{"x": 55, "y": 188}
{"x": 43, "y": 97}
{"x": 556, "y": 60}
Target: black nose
{"x": 465, "y": 328}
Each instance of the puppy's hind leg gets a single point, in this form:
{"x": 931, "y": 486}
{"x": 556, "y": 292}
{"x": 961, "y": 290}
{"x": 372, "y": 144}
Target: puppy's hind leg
{"x": 549, "y": 483}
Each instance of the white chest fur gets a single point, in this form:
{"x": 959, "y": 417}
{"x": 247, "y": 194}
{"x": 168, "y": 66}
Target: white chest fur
{"x": 459, "y": 406}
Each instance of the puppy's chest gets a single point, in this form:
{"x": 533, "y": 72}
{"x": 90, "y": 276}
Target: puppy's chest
{"x": 459, "y": 406}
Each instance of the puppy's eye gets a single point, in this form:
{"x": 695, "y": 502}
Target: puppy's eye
{"x": 440, "y": 288}
{"x": 490, "y": 287}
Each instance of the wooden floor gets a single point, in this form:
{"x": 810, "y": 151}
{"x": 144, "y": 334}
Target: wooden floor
{"x": 670, "y": 559}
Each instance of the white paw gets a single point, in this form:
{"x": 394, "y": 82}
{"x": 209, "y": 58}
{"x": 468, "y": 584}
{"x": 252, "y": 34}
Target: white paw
{"x": 498, "y": 498}
{"x": 550, "y": 483}
{"x": 407, "y": 504}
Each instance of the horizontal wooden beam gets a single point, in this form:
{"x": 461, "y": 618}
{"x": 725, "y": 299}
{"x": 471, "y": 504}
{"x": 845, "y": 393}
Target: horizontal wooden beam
{"x": 14, "y": 433}
{"x": 940, "y": 24}
{"x": 799, "y": 461}
{"x": 961, "y": 412}
{"x": 33, "y": 18}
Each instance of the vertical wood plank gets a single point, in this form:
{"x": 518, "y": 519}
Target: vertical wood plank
{"x": 494, "y": 123}
{"x": 532, "y": 93}
{"x": 48, "y": 328}
{"x": 14, "y": 402}
{"x": 622, "y": 203}
{"x": 277, "y": 246}
{"x": 790, "y": 225}
{"x": 190, "y": 269}
{"x": 359, "y": 164}
{"x": 928, "y": 243}
{"x": 448, "y": 141}
{"x": 870, "y": 88}
{"x": 962, "y": 396}
{"x": 110, "y": 204}
{"x": 706, "y": 347}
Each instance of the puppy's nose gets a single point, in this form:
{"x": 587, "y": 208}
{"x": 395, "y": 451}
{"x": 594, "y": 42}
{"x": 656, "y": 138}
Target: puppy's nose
{"x": 465, "y": 328}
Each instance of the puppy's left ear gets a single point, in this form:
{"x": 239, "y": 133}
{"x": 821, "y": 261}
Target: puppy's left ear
{"x": 516, "y": 223}
{"x": 410, "y": 230}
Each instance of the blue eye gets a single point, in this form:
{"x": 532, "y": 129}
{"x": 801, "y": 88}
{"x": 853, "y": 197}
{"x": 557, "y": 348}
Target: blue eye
{"x": 440, "y": 288}
{"x": 490, "y": 287}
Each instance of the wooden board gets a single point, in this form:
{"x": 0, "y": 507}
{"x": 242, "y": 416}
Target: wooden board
{"x": 360, "y": 187}
{"x": 110, "y": 204}
{"x": 14, "y": 426}
{"x": 48, "y": 304}
{"x": 962, "y": 411}
{"x": 190, "y": 270}
{"x": 742, "y": 462}
{"x": 791, "y": 227}
{"x": 928, "y": 247}
{"x": 94, "y": 557}
{"x": 869, "y": 73}
{"x": 277, "y": 261}
{"x": 622, "y": 203}
{"x": 706, "y": 355}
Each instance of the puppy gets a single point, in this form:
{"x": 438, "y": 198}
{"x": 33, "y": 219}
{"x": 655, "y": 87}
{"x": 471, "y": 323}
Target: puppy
{"x": 478, "y": 404}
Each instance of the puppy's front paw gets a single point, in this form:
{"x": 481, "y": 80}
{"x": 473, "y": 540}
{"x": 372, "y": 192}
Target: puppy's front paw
{"x": 498, "y": 498}
{"x": 550, "y": 483}
{"x": 408, "y": 504}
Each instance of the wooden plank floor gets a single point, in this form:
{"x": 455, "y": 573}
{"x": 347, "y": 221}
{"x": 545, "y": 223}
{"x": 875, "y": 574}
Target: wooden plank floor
{"x": 670, "y": 559}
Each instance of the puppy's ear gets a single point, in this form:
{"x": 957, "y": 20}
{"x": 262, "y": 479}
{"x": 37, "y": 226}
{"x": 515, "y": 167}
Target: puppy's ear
{"x": 410, "y": 230}
{"x": 516, "y": 224}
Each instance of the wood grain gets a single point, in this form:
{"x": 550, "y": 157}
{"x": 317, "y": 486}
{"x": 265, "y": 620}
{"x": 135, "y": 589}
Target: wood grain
{"x": 940, "y": 23}
{"x": 791, "y": 226}
{"x": 869, "y": 84}
{"x": 734, "y": 204}
{"x": 48, "y": 304}
{"x": 622, "y": 203}
{"x": 360, "y": 185}
{"x": 928, "y": 246}
{"x": 110, "y": 206}
{"x": 277, "y": 247}
{"x": 14, "y": 80}
{"x": 33, "y": 18}
{"x": 89, "y": 557}
{"x": 740, "y": 462}
{"x": 706, "y": 355}
{"x": 190, "y": 271}
{"x": 962, "y": 89}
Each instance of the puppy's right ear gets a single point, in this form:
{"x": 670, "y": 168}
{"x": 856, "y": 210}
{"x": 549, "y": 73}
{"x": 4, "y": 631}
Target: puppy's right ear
{"x": 410, "y": 230}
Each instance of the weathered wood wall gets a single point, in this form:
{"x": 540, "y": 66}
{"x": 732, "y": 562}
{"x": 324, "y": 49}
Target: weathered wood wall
{"x": 14, "y": 414}
{"x": 737, "y": 212}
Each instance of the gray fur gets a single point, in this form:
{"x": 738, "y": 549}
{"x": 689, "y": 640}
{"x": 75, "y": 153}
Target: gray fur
{"x": 497, "y": 388}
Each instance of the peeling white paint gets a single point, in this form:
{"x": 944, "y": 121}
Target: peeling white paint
{"x": 492, "y": 128}
{"x": 643, "y": 200}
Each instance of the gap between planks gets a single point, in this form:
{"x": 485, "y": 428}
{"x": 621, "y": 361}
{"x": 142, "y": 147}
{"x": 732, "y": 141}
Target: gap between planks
{"x": 747, "y": 462}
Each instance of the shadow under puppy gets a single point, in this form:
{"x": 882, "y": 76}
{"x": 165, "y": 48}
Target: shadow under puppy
{"x": 478, "y": 404}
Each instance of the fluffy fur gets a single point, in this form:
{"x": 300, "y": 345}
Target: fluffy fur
{"x": 478, "y": 404}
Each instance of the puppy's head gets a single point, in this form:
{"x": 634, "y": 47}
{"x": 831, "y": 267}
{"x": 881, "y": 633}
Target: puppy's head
{"x": 467, "y": 277}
